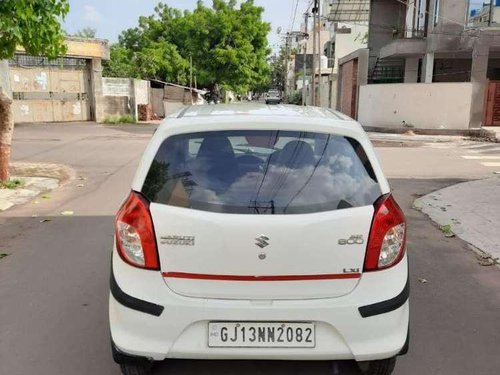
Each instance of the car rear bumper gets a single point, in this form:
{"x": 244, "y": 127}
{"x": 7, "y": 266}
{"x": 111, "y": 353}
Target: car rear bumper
{"x": 148, "y": 320}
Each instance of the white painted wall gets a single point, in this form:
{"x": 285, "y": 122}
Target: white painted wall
{"x": 348, "y": 43}
{"x": 423, "y": 105}
{"x": 135, "y": 89}
{"x": 325, "y": 37}
{"x": 141, "y": 91}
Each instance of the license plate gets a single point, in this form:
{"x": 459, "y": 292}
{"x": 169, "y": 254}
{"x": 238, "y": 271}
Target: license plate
{"x": 261, "y": 335}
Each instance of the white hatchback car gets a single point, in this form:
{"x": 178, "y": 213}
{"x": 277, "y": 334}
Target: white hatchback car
{"x": 259, "y": 232}
{"x": 273, "y": 97}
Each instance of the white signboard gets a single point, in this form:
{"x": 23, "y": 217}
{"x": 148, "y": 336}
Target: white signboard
{"x": 116, "y": 87}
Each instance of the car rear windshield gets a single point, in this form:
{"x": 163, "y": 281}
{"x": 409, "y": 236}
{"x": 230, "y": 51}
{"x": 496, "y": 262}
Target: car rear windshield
{"x": 261, "y": 172}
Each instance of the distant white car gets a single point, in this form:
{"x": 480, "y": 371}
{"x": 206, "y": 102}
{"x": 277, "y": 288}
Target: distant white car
{"x": 273, "y": 97}
{"x": 257, "y": 232}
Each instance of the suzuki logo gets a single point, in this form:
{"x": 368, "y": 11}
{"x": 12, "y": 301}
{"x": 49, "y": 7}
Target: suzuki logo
{"x": 261, "y": 241}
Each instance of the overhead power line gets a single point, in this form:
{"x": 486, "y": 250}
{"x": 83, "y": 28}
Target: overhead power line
{"x": 291, "y": 18}
{"x": 309, "y": 6}
{"x": 295, "y": 15}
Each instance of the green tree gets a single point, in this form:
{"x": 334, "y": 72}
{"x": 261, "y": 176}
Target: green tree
{"x": 119, "y": 64}
{"x": 87, "y": 32}
{"x": 227, "y": 43}
{"x": 158, "y": 60}
{"x": 34, "y": 25}
{"x": 277, "y": 66}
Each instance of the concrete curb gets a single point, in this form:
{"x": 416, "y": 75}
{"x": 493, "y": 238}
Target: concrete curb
{"x": 59, "y": 172}
{"x": 480, "y": 134}
{"x": 415, "y": 139}
{"x": 471, "y": 211}
{"x": 38, "y": 178}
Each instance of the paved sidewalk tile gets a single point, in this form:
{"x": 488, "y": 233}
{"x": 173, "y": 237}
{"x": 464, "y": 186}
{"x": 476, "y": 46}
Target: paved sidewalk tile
{"x": 32, "y": 186}
{"x": 470, "y": 210}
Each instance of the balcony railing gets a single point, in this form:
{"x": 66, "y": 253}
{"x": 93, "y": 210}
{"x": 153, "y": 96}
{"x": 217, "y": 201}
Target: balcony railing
{"x": 349, "y": 11}
{"x": 403, "y": 33}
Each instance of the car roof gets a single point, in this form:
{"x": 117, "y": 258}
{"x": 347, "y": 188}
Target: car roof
{"x": 260, "y": 110}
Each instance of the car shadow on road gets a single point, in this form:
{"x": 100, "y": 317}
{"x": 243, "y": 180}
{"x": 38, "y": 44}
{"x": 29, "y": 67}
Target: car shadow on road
{"x": 185, "y": 367}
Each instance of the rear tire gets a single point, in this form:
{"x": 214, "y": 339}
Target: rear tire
{"x": 128, "y": 369}
{"x": 131, "y": 365}
{"x": 381, "y": 367}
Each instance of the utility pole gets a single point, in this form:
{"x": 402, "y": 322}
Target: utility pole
{"x": 492, "y": 9}
{"x": 285, "y": 70}
{"x": 320, "y": 47}
{"x": 191, "y": 78}
{"x": 304, "y": 91}
{"x": 314, "y": 11}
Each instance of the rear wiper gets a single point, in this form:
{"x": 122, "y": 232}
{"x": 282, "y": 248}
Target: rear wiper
{"x": 343, "y": 205}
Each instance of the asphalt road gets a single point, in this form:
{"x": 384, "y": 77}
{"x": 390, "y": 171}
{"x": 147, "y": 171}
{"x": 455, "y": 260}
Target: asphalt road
{"x": 54, "y": 283}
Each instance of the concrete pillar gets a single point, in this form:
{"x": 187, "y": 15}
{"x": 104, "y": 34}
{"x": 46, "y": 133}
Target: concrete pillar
{"x": 411, "y": 70}
{"x": 410, "y": 18}
{"x": 338, "y": 103}
{"x": 96, "y": 89}
{"x": 479, "y": 80}
{"x": 428, "y": 67}
{"x": 431, "y": 15}
{"x": 333, "y": 91}
{"x": 363, "y": 62}
{"x": 132, "y": 100}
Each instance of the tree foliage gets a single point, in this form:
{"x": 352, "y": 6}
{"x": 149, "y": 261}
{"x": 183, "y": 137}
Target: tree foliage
{"x": 87, "y": 32}
{"x": 34, "y": 25}
{"x": 227, "y": 43}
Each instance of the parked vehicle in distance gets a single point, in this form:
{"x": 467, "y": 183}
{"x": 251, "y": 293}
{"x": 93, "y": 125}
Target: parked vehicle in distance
{"x": 257, "y": 232}
{"x": 273, "y": 97}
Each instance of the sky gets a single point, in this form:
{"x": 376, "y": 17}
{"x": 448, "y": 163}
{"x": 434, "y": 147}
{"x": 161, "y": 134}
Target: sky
{"x": 111, "y": 17}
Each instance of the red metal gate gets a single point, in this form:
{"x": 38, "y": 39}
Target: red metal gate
{"x": 349, "y": 87}
{"x": 492, "y": 110}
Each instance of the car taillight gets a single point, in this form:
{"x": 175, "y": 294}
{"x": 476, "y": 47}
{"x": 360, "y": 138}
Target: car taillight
{"x": 387, "y": 241}
{"x": 135, "y": 237}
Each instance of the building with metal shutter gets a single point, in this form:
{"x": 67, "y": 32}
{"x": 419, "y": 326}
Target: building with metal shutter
{"x": 63, "y": 90}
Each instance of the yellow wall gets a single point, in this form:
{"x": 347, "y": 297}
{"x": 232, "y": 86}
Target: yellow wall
{"x": 85, "y": 48}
